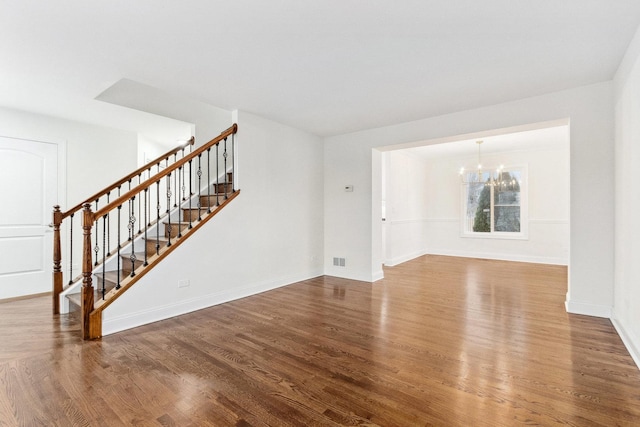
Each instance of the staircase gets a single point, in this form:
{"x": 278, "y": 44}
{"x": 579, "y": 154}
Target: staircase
{"x": 114, "y": 254}
{"x": 106, "y": 280}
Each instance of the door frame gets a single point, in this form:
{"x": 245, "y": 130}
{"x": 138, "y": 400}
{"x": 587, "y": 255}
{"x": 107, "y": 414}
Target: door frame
{"x": 61, "y": 187}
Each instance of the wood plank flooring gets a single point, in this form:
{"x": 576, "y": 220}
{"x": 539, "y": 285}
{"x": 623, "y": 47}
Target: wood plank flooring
{"x": 440, "y": 341}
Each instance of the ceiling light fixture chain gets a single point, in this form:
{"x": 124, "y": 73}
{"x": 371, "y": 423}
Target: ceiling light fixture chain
{"x": 488, "y": 177}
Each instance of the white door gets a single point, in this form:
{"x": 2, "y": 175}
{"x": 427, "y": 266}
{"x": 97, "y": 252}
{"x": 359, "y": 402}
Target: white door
{"x": 28, "y": 191}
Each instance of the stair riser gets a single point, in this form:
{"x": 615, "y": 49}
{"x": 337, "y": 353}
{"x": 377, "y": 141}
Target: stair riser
{"x": 151, "y": 246}
{"x": 174, "y": 229}
{"x": 194, "y": 214}
{"x": 125, "y": 264}
{"x": 206, "y": 201}
{"x": 109, "y": 282}
{"x": 220, "y": 188}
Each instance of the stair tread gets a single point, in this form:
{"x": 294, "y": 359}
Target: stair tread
{"x": 202, "y": 208}
{"x": 176, "y": 222}
{"x": 139, "y": 255}
{"x": 111, "y": 280}
{"x": 111, "y": 276}
{"x": 154, "y": 238}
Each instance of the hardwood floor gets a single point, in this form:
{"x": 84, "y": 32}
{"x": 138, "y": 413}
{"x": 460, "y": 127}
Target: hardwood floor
{"x": 440, "y": 341}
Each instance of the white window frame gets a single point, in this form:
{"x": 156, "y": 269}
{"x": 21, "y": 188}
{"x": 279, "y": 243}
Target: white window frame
{"x": 523, "y": 234}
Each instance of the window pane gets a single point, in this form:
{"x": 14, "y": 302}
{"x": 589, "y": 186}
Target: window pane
{"x": 507, "y": 219}
{"x": 507, "y": 202}
{"x": 478, "y": 212}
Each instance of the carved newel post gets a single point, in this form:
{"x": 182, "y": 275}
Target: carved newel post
{"x": 87, "y": 266}
{"x": 57, "y": 259}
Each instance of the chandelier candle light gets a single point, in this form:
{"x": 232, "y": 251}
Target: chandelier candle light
{"x": 490, "y": 179}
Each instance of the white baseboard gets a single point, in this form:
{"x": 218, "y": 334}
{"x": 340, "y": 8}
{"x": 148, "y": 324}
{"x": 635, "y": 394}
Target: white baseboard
{"x": 378, "y": 275}
{"x": 359, "y": 276}
{"x": 588, "y": 309}
{"x": 404, "y": 258}
{"x": 132, "y": 320}
{"x": 499, "y": 256}
{"x": 628, "y": 338}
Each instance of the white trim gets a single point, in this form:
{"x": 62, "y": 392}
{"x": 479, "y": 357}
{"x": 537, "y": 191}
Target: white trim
{"x": 155, "y": 314}
{"x": 587, "y": 309}
{"x": 378, "y": 275}
{"x": 406, "y": 221}
{"x": 628, "y": 339}
{"x": 549, "y": 221}
{"x": 495, "y": 235}
{"x": 531, "y": 221}
{"x": 369, "y": 278}
{"x": 404, "y": 258}
{"x": 74, "y": 288}
{"x": 442, "y": 220}
{"x": 499, "y": 257}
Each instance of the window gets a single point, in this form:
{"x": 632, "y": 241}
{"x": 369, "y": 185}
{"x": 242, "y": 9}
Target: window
{"x": 494, "y": 203}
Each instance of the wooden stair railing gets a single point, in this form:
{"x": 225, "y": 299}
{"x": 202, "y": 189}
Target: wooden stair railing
{"x": 59, "y": 217}
{"x": 176, "y": 230}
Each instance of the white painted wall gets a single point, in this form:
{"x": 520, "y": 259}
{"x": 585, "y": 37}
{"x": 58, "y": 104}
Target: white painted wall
{"x": 407, "y": 201}
{"x": 350, "y": 229}
{"x": 96, "y": 156}
{"x": 150, "y": 148}
{"x": 424, "y": 203}
{"x": 626, "y": 316}
{"x": 269, "y": 236}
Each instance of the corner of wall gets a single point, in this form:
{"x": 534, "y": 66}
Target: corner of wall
{"x": 626, "y": 66}
{"x": 629, "y": 339}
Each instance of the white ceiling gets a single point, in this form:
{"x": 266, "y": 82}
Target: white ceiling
{"x": 327, "y": 67}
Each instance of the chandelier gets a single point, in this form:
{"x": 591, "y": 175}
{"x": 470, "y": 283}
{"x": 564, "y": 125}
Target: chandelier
{"x": 494, "y": 177}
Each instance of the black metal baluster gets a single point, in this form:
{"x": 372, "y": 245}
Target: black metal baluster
{"x": 233, "y": 162}
{"x": 190, "y": 193}
{"x": 104, "y": 252}
{"x": 139, "y": 206}
{"x": 224, "y": 154}
{"x": 158, "y": 218}
{"x": 166, "y": 165}
{"x": 119, "y": 246}
{"x": 199, "y": 173}
{"x": 71, "y": 249}
{"x": 179, "y": 175}
{"x": 149, "y": 208}
{"x": 168, "y": 213}
{"x": 180, "y": 183}
{"x": 175, "y": 183}
{"x": 108, "y": 229}
{"x": 209, "y": 180}
{"x": 183, "y": 186}
{"x": 132, "y": 222}
{"x": 218, "y": 174}
{"x": 96, "y": 249}
{"x": 146, "y": 191}
{"x": 130, "y": 213}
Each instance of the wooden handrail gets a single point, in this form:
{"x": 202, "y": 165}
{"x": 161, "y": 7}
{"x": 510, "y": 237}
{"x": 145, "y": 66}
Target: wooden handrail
{"x": 127, "y": 178}
{"x": 147, "y": 183}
